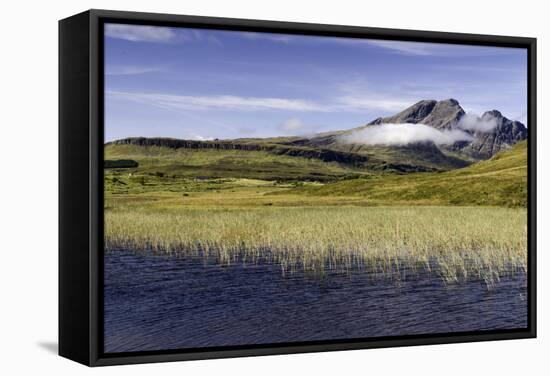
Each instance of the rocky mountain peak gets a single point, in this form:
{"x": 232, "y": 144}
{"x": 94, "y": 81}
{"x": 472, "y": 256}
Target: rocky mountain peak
{"x": 445, "y": 114}
{"x": 438, "y": 114}
{"x": 413, "y": 114}
{"x": 492, "y": 114}
{"x": 488, "y": 139}
{"x": 451, "y": 101}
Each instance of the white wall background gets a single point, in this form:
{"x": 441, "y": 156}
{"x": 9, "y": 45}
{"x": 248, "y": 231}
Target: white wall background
{"x": 28, "y": 185}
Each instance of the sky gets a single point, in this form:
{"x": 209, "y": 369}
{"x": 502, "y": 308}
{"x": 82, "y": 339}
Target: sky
{"x": 205, "y": 84}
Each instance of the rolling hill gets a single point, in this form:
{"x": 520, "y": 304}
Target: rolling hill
{"x": 418, "y": 157}
{"x": 499, "y": 181}
{"x": 205, "y": 161}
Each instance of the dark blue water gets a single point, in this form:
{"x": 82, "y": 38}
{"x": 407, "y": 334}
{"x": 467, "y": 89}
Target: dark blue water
{"x": 161, "y": 302}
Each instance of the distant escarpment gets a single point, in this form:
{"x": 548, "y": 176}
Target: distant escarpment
{"x": 325, "y": 155}
{"x": 288, "y": 148}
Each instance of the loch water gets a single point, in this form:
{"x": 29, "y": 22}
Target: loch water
{"x": 161, "y": 302}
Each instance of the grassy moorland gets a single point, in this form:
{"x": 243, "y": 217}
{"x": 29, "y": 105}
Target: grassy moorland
{"x": 212, "y": 163}
{"x": 499, "y": 181}
{"x": 308, "y": 214}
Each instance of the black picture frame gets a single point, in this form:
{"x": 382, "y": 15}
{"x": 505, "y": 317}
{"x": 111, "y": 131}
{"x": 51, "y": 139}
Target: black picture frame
{"x": 81, "y": 185}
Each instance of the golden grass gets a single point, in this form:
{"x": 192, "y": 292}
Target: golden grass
{"x": 458, "y": 243}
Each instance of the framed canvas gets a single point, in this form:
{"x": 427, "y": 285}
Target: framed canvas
{"x": 235, "y": 187}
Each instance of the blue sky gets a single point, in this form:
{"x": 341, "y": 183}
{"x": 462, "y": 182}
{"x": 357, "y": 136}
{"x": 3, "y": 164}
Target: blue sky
{"x": 204, "y": 84}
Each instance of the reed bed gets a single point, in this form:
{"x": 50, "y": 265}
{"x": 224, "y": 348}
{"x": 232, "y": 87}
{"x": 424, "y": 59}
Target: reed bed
{"x": 456, "y": 243}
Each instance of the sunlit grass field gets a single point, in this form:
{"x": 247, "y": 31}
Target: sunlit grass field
{"x": 457, "y": 243}
{"x": 375, "y": 224}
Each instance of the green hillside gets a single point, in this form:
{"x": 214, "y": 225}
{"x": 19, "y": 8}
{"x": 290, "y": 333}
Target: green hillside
{"x": 499, "y": 181}
{"x": 419, "y": 157}
{"x": 216, "y": 163}
{"x": 422, "y": 156}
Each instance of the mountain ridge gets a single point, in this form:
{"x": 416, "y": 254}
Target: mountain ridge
{"x": 425, "y": 156}
{"x": 448, "y": 114}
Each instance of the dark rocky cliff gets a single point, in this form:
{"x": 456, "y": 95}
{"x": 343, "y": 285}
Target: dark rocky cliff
{"x": 506, "y": 133}
{"x": 325, "y": 155}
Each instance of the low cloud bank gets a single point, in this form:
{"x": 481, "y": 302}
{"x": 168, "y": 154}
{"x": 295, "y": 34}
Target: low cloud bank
{"x": 404, "y": 134}
{"x": 475, "y": 123}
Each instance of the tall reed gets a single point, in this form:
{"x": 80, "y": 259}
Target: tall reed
{"x": 458, "y": 243}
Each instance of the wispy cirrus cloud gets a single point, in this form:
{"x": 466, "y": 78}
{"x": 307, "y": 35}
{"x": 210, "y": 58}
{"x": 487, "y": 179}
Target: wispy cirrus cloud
{"x": 140, "y": 33}
{"x": 437, "y": 49}
{"x": 158, "y": 34}
{"x": 344, "y": 103}
{"x": 407, "y": 48}
{"x": 219, "y": 102}
{"x": 360, "y": 94}
{"x": 393, "y": 46}
{"x": 359, "y": 103}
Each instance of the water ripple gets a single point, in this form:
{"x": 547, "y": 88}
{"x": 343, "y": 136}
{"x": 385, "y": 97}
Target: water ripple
{"x": 155, "y": 302}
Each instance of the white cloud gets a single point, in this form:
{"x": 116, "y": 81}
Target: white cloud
{"x": 126, "y": 70}
{"x": 408, "y": 48}
{"x": 400, "y": 47}
{"x": 345, "y": 103}
{"x": 199, "y": 35}
{"x": 437, "y": 49}
{"x": 472, "y": 122}
{"x": 362, "y": 103}
{"x": 292, "y": 125}
{"x": 359, "y": 95}
{"x": 140, "y": 33}
{"x": 220, "y": 102}
{"x": 198, "y": 137}
{"x": 404, "y": 134}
